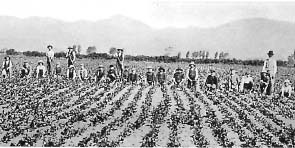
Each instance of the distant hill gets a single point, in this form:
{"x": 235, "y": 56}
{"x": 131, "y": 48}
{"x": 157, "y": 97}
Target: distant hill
{"x": 244, "y": 39}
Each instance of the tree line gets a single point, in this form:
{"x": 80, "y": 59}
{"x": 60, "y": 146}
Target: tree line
{"x": 197, "y": 56}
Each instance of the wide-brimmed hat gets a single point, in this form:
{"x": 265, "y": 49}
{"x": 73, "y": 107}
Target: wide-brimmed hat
{"x": 270, "y": 52}
{"x": 50, "y": 46}
{"x": 192, "y": 63}
{"x": 40, "y": 61}
{"x": 179, "y": 69}
{"x": 161, "y": 69}
{"x": 100, "y": 66}
{"x": 112, "y": 66}
{"x": 149, "y": 67}
{"x": 120, "y": 49}
{"x": 70, "y": 47}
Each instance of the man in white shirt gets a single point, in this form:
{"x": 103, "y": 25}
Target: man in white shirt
{"x": 246, "y": 83}
{"x": 286, "y": 89}
{"x": 50, "y": 56}
{"x": 41, "y": 70}
{"x": 270, "y": 65}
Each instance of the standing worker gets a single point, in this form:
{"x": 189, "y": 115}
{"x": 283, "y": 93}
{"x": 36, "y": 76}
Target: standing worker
{"x": 120, "y": 60}
{"x": 71, "y": 56}
{"x": 50, "y": 57}
{"x": 270, "y": 65}
{"x": 161, "y": 77}
{"x": 150, "y": 76}
{"x": 192, "y": 76}
{"x": 7, "y": 67}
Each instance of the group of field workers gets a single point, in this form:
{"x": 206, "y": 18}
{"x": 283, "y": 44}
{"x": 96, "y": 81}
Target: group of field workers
{"x": 119, "y": 73}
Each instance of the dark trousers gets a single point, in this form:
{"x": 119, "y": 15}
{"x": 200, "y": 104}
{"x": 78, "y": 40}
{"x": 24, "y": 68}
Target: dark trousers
{"x": 191, "y": 84}
{"x": 49, "y": 66}
{"x": 70, "y": 63}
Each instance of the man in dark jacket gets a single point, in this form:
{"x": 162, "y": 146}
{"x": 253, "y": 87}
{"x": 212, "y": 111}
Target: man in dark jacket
{"x": 71, "y": 56}
{"x": 212, "y": 81}
{"x": 132, "y": 78}
{"x": 25, "y": 70}
{"x": 150, "y": 76}
{"x": 178, "y": 77}
{"x": 112, "y": 75}
{"x": 161, "y": 76}
{"x": 99, "y": 74}
{"x": 125, "y": 74}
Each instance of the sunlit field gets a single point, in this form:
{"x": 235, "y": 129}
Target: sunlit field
{"x": 61, "y": 112}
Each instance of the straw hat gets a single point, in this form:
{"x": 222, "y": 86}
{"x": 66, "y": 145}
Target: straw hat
{"x": 192, "y": 63}
{"x": 40, "y": 61}
{"x": 270, "y": 52}
{"x": 50, "y": 46}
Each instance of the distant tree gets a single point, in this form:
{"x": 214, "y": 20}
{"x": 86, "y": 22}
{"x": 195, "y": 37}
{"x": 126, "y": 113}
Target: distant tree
{"x": 91, "y": 49}
{"x": 207, "y": 54}
{"x": 179, "y": 55}
{"x": 216, "y": 55}
{"x": 195, "y": 54}
{"x": 225, "y": 55}
{"x": 112, "y": 51}
{"x": 79, "y": 49}
{"x": 221, "y": 55}
{"x": 3, "y": 50}
{"x": 203, "y": 54}
{"x": 187, "y": 54}
{"x": 11, "y": 52}
{"x": 60, "y": 54}
{"x": 34, "y": 53}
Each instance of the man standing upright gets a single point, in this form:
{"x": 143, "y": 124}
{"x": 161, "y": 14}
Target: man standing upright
{"x": 192, "y": 76}
{"x": 120, "y": 60}
{"x": 71, "y": 56}
{"x": 49, "y": 56}
{"x": 270, "y": 65}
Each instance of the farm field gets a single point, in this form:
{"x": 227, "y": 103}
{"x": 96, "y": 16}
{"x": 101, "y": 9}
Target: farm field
{"x": 70, "y": 113}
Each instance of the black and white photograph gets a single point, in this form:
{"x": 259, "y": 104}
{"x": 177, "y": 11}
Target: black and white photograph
{"x": 147, "y": 73}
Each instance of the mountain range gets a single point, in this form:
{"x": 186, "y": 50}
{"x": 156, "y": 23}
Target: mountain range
{"x": 243, "y": 39}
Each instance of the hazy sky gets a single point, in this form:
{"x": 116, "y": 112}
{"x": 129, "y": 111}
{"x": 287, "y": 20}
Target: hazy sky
{"x": 156, "y": 13}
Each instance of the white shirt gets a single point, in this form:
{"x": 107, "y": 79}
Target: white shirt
{"x": 82, "y": 73}
{"x": 41, "y": 67}
{"x": 287, "y": 89}
{"x": 50, "y": 54}
{"x": 271, "y": 65}
{"x": 247, "y": 79}
{"x": 7, "y": 63}
{"x": 197, "y": 73}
